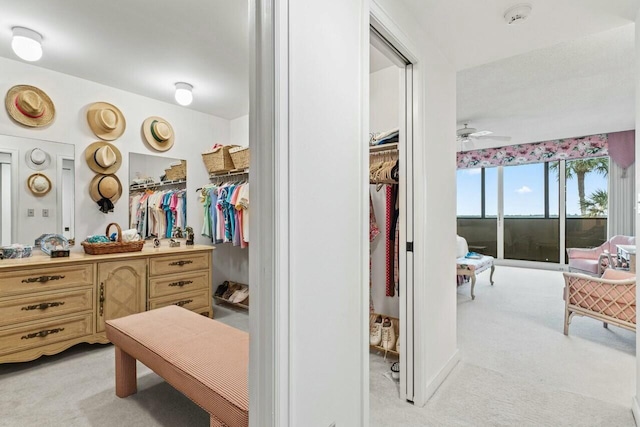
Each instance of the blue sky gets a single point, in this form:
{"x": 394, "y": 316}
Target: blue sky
{"x": 523, "y": 191}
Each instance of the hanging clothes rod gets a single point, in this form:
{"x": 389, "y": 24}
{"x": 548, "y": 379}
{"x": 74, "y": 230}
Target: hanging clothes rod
{"x": 153, "y": 185}
{"x": 383, "y": 147}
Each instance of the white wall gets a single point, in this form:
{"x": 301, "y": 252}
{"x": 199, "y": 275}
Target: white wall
{"x": 434, "y": 199}
{"x": 327, "y": 173}
{"x": 150, "y": 165}
{"x": 384, "y": 107}
{"x": 239, "y": 131}
{"x": 71, "y": 95}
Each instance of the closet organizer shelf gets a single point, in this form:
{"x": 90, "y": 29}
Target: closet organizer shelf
{"x": 229, "y": 173}
{"x": 383, "y": 147}
{"x": 236, "y": 304}
{"x": 153, "y": 185}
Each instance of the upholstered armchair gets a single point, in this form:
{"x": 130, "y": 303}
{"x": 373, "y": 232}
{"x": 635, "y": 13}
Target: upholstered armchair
{"x": 595, "y": 260}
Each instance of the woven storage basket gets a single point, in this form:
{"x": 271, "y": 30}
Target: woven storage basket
{"x": 112, "y": 247}
{"x": 240, "y": 157}
{"x": 218, "y": 160}
{"x": 176, "y": 172}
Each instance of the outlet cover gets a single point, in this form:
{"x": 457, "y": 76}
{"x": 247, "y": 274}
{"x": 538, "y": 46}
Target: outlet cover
{"x": 45, "y": 213}
{"x": 31, "y": 212}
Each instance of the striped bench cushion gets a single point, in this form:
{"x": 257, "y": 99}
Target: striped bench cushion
{"x": 204, "y": 359}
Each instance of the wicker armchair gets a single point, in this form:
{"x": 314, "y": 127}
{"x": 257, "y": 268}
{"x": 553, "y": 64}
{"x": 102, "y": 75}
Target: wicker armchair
{"x": 595, "y": 260}
{"x": 610, "y": 298}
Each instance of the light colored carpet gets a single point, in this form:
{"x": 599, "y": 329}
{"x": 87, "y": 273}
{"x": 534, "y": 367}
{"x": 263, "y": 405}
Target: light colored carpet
{"x": 517, "y": 367}
{"x": 76, "y": 388}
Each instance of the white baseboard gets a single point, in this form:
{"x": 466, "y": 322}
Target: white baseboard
{"x": 635, "y": 409}
{"x": 437, "y": 381}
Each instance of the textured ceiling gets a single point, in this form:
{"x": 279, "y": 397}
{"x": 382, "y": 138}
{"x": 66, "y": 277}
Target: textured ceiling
{"x": 144, "y": 47}
{"x": 473, "y": 32}
{"x": 575, "y": 88}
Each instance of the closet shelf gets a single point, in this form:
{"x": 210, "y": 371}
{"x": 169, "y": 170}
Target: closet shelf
{"x": 381, "y": 348}
{"x": 233, "y": 172}
{"x": 153, "y": 185}
{"x": 383, "y": 147}
{"x": 236, "y": 304}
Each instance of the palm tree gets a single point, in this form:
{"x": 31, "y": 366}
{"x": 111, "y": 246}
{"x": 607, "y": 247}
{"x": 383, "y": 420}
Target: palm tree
{"x": 580, "y": 168}
{"x": 596, "y": 204}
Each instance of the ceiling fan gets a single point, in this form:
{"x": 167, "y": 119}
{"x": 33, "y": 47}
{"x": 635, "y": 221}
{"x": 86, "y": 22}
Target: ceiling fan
{"x": 466, "y": 134}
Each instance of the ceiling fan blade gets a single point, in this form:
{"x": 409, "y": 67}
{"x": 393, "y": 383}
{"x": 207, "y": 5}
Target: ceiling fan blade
{"x": 495, "y": 137}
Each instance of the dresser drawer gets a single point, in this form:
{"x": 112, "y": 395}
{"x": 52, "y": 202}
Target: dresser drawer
{"x": 42, "y": 333}
{"x": 45, "y": 305}
{"x": 193, "y": 301}
{"x": 178, "y": 283}
{"x": 19, "y": 282}
{"x": 179, "y": 263}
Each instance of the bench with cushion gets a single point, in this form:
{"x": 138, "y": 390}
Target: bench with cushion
{"x": 469, "y": 267}
{"x": 204, "y": 359}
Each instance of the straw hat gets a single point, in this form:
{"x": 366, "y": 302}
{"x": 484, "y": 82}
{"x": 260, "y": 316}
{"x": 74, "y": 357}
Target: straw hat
{"x": 106, "y": 120}
{"x": 37, "y": 159}
{"x": 158, "y": 133}
{"x": 29, "y": 106}
{"x": 39, "y": 184}
{"x": 105, "y": 187}
{"x": 103, "y": 157}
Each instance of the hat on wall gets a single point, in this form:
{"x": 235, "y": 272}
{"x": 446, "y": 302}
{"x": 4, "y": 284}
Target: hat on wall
{"x": 105, "y": 190}
{"x": 29, "y": 106}
{"x": 158, "y": 133}
{"x": 106, "y": 121}
{"x": 37, "y": 159}
{"x": 103, "y": 157}
{"x": 39, "y": 184}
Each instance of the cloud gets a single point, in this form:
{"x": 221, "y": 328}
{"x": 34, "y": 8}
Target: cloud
{"x": 477, "y": 171}
{"x": 524, "y": 190}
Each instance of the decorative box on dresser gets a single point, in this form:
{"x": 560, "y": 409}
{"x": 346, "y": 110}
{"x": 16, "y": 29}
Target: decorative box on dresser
{"x": 50, "y": 304}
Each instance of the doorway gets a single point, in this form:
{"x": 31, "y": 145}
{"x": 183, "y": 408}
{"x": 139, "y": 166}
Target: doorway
{"x": 391, "y": 216}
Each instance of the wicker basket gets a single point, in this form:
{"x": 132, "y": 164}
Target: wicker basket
{"x": 240, "y": 157}
{"x": 218, "y": 160}
{"x": 112, "y": 247}
{"x": 177, "y": 171}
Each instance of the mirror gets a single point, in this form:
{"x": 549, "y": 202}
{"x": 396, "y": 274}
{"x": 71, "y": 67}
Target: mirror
{"x": 37, "y": 181}
{"x": 157, "y": 196}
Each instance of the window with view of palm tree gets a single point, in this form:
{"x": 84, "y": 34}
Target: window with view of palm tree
{"x": 596, "y": 204}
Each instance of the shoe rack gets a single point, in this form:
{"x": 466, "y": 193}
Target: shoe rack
{"x": 396, "y": 327}
{"x": 235, "y": 304}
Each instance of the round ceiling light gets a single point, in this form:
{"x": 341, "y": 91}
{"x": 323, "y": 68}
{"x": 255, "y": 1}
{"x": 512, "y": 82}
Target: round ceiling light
{"x": 27, "y": 44}
{"x": 184, "y": 94}
{"x": 517, "y": 14}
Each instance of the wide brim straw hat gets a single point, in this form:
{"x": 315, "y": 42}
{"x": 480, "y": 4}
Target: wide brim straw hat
{"x": 158, "y": 133}
{"x": 37, "y": 159}
{"x": 93, "y": 150}
{"x": 39, "y": 184}
{"x": 106, "y": 120}
{"x": 29, "y": 106}
{"x": 105, "y": 187}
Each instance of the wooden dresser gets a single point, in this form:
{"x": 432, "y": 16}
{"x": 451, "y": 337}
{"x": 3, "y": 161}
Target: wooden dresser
{"x": 47, "y": 305}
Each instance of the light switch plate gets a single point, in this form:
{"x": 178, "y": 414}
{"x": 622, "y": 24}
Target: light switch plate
{"x": 45, "y": 213}
{"x": 31, "y": 212}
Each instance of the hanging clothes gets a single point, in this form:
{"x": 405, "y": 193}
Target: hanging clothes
{"x": 374, "y": 231}
{"x": 226, "y": 213}
{"x": 156, "y": 213}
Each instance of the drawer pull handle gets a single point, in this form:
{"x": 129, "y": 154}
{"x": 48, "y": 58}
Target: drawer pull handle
{"x": 181, "y": 263}
{"x": 42, "y": 279}
{"x": 183, "y": 302}
{"x": 42, "y": 334}
{"x": 42, "y": 306}
{"x": 181, "y": 283}
{"x": 101, "y": 299}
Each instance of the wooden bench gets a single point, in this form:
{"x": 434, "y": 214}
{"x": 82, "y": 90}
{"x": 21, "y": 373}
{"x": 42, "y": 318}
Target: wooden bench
{"x": 204, "y": 359}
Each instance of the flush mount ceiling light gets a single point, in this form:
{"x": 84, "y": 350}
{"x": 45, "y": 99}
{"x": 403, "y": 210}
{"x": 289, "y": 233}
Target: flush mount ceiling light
{"x": 184, "y": 94}
{"x": 517, "y": 14}
{"x": 27, "y": 44}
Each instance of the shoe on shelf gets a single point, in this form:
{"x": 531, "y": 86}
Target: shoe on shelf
{"x": 388, "y": 334}
{"x": 240, "y": 295}
{"x": 221, "y": 289}
{"x": 233, "y": 287}
{"x": 375, "y": 332}
{"x": 398, "y": 345}
{"x": 395, "y": 370}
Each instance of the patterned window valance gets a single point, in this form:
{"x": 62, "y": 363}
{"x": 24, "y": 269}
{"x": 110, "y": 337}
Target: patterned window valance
{"x": 548, "y": 151}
